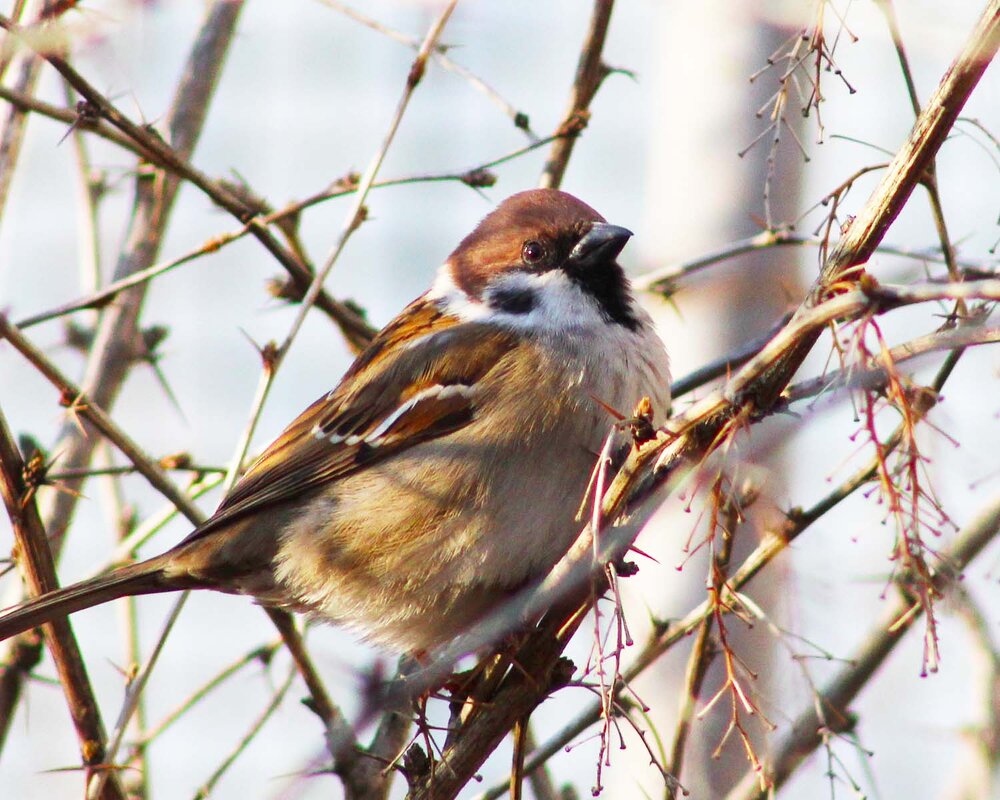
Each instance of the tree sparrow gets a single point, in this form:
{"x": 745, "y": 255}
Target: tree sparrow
{"x": 445, "y": 471}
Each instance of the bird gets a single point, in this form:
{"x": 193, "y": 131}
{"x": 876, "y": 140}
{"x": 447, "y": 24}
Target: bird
{"x": 446, "y": 469}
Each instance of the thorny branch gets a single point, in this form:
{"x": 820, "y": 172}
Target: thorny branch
{"x": 841, "y": 291}
{"x": 40, "y": 575}
{"x": 118, "y": 328}
{"x": 844, "y": 292}
{"x": 173, "y": 160}
{"x": 357, "y": 330}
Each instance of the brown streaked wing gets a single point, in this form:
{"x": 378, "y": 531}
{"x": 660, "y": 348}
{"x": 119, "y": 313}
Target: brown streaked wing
{"x": 418, "y": 319}
{"x": 299, "y": 461}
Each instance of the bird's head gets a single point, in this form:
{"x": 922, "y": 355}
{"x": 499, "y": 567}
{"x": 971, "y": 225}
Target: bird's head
{"x": 541, "y": 259}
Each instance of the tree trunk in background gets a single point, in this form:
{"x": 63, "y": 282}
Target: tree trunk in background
{"x": 701, "y": 195}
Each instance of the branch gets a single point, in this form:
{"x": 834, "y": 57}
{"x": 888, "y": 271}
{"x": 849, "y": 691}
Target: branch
{"x": 357, "y": 331}
{"x": 908, "y": 167}
{"x": 440, "y": 55}
{"x": 26, "y": 102}
{"x": 652, "y": 469}
{"x": 865, "y": 376}
{"x": 665, "y": 281}
{"x": 38, "y": 569}
{"x": 774, "y": 542}
{"x": 830, "y": 711}
{"x": 203, "y": 67}
{"x": 590, "y": 72}
{"x": 111, "y": 358}
{"x": 82, "y": 407}
{"x": 725, "y": 364}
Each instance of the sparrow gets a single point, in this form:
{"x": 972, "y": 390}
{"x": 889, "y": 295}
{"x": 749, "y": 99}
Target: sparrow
{"x": 446, "y": 469}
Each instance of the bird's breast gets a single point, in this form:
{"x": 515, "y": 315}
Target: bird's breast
{"x": 413, "y": 548}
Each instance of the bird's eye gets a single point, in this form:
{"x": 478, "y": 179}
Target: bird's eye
{"x": 532, "y": 252}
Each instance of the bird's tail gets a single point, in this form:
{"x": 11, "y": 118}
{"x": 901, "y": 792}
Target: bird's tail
{"x": 146, "y": 577}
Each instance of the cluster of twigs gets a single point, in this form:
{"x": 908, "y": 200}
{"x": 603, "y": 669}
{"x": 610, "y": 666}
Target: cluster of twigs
{"x": 800, "y": 62}
{"x": 509, "y": 686}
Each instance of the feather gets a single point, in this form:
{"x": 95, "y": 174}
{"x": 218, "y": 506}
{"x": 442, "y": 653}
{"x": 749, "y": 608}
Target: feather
{"x": 410, "y": 386}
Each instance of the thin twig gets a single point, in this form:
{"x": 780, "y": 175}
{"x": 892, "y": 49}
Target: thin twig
{"x": 704, "y": 649}
{"x": 864, "y": 376}
{"x": 440, "y": 55}
{"x": 831, "y": 707}
{"x": 205, "y": 790}
{"x": 937, "y": 210}
{"x": 261, "y": 654}
{"x": 665, "y": 281}
{"x": 341, "y": 737}
{"x": 356, "y": 214}
{"x": 133, "y": 694}
{"x": 590, "y": 73}
{"x": 135, "y": 779}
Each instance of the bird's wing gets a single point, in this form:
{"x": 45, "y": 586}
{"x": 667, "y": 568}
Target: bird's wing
{"x": 413, "y": 383}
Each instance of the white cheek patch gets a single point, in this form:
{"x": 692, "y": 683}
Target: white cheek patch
{"x": 561, "y": 305}
{"x": 454, "y": 300}
{"x": 558, "y": 304}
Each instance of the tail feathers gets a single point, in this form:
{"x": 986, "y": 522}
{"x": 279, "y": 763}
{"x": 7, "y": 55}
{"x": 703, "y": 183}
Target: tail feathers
{"x": 143, "y": 578}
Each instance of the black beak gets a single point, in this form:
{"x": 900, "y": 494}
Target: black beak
{"x": 601, "y": 244}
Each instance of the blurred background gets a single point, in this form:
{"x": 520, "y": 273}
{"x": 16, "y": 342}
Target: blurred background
{"x": 305, "y": 97}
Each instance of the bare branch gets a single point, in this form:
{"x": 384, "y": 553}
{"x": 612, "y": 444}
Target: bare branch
{"x": 831, "y": 711}
{"x": 590, "y": 73}
{"x": 35, "y": 560}
{"x": 111, "y": 357}
{"x": 666, "y": 281}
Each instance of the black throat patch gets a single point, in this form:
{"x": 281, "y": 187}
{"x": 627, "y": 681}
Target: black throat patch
{"x": 609, "y": 287}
